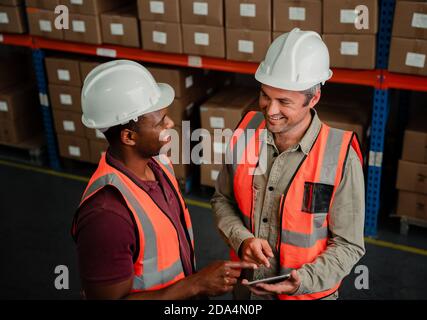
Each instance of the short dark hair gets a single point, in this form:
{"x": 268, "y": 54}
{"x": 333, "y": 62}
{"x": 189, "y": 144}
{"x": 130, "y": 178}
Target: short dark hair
{"x": 113, "y": 134}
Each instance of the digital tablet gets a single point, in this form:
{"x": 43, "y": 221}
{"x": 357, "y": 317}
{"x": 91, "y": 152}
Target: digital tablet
{"x": 271, "y": 280}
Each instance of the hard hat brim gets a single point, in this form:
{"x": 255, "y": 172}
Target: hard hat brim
{"x": 167, "y": 95}
{"x": 291, "y": 86}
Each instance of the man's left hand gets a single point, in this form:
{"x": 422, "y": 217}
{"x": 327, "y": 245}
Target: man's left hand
{"x": 289, "y": 286}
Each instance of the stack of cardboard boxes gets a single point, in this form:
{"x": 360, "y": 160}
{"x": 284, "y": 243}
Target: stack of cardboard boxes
{"x": 12, "y": 16}
{"x": 65, "y": 76}
{"x": 248, "y": 33}
{"x": 351, "y": 45}
{"x": 409, "y": 38}
{"x": 161, "y": 25}
{"x": 412, "y": 171}
{"x": 223, "y": 111}
{"x": 84, "y": 19}
{"x": 20, "y": 118}
{"x": 203, "y": 27}
{"x": 303, "y": 14}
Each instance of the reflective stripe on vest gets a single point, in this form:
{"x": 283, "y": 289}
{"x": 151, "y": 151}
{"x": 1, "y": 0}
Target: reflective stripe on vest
{"x": 304, "y": 233}
{"x": 158, "y": 264}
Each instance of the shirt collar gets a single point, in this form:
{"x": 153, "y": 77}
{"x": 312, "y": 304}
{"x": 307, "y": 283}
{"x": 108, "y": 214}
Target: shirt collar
{"x": 309, "y": 137}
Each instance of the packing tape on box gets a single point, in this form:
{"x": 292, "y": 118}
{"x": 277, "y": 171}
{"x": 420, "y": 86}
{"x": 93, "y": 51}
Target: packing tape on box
{"x": 217, "y": 122}
{"x": 297, "y": 13}
{"x": 3, "y": 106}
{"x": 45, "y": 25}
{"x": 416, "y": 60}
{"x": 117, "y": 29}
{"x": 69, "y": 125}
{"x": 348, "y": 16}
{"x": 246, "y": 46}
{"x": 200, "y": 8}
{"x": 248, "y": 10}
{"x": 419, "y": 20}
{"x": 63, "y": 74}
{"x": 214, "y": 174}
{"x": 349, "y": 48}
{"x": 201, "y": 38}
{"x": 79, "y": 26}
{"x": 74, "y": 151}
{"x": 66, "y": 99}
{"x": 77, "y": 2}
{"x": 160, "y": 37}
{"x": 157, "y": 7}
{"x": 188, "y": 82}
{"x": 4, "y": 18}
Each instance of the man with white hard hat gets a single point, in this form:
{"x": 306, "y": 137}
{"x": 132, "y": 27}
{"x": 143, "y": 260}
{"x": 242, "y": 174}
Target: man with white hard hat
{"x": 132, "y": 229}
{"x": 292, "y": 198}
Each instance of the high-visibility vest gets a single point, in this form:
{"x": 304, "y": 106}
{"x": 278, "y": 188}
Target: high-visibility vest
{"x": 159, "y": 261}
{"x": 304, "y": 205}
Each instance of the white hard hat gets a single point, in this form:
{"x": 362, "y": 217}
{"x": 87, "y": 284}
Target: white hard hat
{"x": 297, "y": 61}
{"x": 119, "y": 91}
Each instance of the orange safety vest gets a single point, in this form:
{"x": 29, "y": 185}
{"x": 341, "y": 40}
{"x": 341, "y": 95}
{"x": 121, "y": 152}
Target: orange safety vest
{"x": 159, "y": 262}
{"x": 304, "y": 206}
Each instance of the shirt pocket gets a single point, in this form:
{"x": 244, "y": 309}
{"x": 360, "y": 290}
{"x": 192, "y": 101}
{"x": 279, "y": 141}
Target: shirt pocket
{"x": 317, "y": 197}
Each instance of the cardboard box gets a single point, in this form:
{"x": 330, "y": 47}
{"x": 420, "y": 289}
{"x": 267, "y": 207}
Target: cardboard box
{"x": 415, "y": 143}
{"x": 303, "y": 14}
{"x": 161, "y": 36}
{"x": 63, "y": 71}
{"x": 182, "y": 80}
{"x": 408, "y": 56}
{"x": 42, "y": 23}
{"x": 11, "y": 2}
{"x": 204, "y": 40}
{"x": 182, "y": 109}
{"x": 19, "y": 101}
{"x": 95, "y": 134}
{"x": 203, "y": 12}
{"x": 12, "y": 19}
{"x": 248, "y": 14}
{"x": 224, "y": 110}
{"x": 247, "y": 45}
{"x": 209, "y": 174}
{"x": 351, "y": 51}
{"x": 159, "y": 10}
{"x": 66, "y": 98}
{"x": 412, "y": 205}
{"x": 86, "y": 67}
{"x": 84, "y": 28}
{"x": 412, "y": 176}
{"x": 73, "y": 147}
{"x": 15, "y": 132}
{"x": 93, "y": 7}
{"x": 339, "y": 16}
{"x": 69, "y": 123}
{"x": 410, "y": 20}
{"x": 121, "y": 27}
{"x": 43, "y": 4}
{"x": 97, "y": 148}
{"x": 344, "y": 120}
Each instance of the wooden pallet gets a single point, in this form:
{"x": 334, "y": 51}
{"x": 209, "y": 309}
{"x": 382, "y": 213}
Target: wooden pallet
{"x": 31, "y": 151}
{"x": 406, "y": 222}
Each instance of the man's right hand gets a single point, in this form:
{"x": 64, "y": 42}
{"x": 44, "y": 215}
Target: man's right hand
{"x": 219, "y": 277}
{"x": 258, "y": 251}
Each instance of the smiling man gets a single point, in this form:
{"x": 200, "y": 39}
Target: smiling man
{"x": 303, "y": 213}
{"x": 132, "y": 229}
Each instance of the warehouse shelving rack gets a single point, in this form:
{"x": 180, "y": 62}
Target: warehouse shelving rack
{"x": 379, "y": 79}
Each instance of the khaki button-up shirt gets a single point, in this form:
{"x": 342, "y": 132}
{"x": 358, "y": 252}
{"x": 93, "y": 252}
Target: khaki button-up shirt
{"x": 346, "y": 224}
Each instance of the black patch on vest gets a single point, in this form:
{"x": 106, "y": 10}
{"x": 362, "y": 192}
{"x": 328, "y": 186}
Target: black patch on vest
{"x": 317, "y": 197}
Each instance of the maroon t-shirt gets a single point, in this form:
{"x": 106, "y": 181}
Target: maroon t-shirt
{"x": 106, "y": 235}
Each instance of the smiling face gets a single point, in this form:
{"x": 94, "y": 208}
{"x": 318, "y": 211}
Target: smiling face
{"x": 283, "y": 109}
